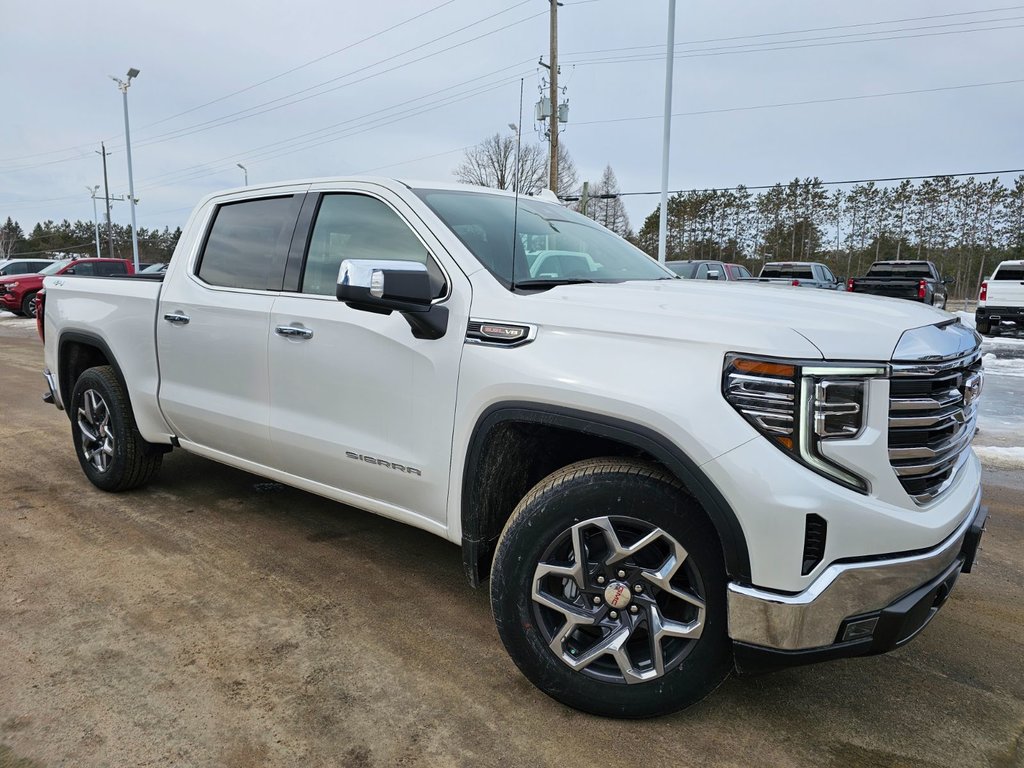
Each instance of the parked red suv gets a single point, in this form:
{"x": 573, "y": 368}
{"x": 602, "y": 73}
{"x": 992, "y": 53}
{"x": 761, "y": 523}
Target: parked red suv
{"x": 18, "y": 293}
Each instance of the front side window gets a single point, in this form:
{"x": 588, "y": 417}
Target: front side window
{"x": 248, "y": 244}
{"x": 531, "y": 243}
{"x": 87, "y": 268}
{"x": 353, "y": 226}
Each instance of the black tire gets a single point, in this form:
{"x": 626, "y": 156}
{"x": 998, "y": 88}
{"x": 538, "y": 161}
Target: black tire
{"x": 113, "y": 454}
{"x": 982, "y": 326}
{"x": 28, "y": 305}
{"x": 637, "y": 500}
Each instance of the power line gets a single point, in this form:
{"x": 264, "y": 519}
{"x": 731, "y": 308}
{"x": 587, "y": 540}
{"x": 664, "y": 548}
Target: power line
{"x": 828, "y": 183}
{"x": 306, "y": 64}
{"x": 813, "y": 29}
{"x": 803, "y": 103}
{"x": 727, "y": 52}
{"x": 254, "y": 85}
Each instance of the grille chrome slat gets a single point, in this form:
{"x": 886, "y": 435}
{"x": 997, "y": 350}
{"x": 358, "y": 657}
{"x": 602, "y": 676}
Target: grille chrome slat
{"x": 932, "y": 422}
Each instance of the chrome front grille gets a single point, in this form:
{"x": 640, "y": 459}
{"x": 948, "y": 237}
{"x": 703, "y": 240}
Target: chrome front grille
{"x": 933, "y": 414}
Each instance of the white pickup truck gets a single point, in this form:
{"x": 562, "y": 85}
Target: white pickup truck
{"x": 1001, "y": 301}
{"x": 662, "y": 479}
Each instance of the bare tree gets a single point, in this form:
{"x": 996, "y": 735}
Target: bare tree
{"x": 492, "y": 163}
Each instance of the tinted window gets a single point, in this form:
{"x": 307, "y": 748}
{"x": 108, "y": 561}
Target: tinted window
{"x": 350, "y": 226}
{"x": 911, "y": 269}
{"x": 248, "y": 244}
{"x": 788, "y": 271}
{"x": 111, "y": 268}
{"x": 702, "y": 272}
{"x": 1009, "y": 273}
{"x": 85, "y": 268}
{"x": 682, "y": 268}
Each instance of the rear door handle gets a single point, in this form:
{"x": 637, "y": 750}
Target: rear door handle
{"x": 177, "y": 318}
{"x": 294, "y": 332}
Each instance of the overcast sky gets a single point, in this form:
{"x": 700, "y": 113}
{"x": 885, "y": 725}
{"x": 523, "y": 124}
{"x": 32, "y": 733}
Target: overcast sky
{"x": 313, "y": 88}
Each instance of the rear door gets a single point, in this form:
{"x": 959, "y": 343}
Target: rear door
{"x": 359, "y": 405}
{"x": 212, "y": 327}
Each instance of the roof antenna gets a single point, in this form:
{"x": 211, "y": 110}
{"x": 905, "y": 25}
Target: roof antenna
{"x": 515, "y": 186}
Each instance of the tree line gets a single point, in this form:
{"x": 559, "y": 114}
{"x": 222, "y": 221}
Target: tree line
{"x": 52, "y": 240}
{"x": 965, "y": 226}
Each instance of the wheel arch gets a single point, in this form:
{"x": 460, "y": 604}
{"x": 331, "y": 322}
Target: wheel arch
{"x": 78, "y": 351}
{"x": 486, "y": 479}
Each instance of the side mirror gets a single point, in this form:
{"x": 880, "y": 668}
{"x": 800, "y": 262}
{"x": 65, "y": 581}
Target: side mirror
{"x": 713, "y": 274}
{"x": 948, "y": 281}
{"x": 69, "y": 271}
{"x": 385, "y": 286}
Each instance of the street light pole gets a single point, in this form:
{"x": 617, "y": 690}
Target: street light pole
{"x": 670, "y": 47}
{"x": 123, "y": 85}
{"x": 95, "y": 217}
{"x": 245, "y": 171}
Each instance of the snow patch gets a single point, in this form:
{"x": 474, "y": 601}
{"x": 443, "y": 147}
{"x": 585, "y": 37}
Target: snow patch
{"x": 1000, "y": 458}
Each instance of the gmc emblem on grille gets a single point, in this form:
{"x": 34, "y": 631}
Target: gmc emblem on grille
{"x": 972, "y": 387}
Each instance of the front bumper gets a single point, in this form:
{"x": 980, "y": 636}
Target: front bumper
{"x": 852, "y": 608}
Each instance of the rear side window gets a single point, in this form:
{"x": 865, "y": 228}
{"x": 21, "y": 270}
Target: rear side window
{"x": 104, "y": 268}
{"x": 248, "y": 244}
{"x": 1009, "y": 273}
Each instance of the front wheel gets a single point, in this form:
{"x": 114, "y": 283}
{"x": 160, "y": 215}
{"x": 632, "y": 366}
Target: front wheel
{"x": 28, "y": 305}
{"x": 608, "y": 591}
{"x": 113, "y": 454}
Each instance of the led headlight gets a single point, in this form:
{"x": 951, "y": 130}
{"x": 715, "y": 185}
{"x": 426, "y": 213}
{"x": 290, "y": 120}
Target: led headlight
{"x": 800, "y": 405}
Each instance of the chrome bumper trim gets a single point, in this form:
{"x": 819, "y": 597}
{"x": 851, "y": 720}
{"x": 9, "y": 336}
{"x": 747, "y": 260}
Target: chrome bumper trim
{"x": 811, "y": 619}
{"x": 51, "y": 382}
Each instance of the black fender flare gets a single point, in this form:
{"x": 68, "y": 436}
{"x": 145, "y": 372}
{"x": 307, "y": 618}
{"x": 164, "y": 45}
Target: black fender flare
{"x": 730, "y": 532}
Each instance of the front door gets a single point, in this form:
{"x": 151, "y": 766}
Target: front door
{"x": 357, "y": 403}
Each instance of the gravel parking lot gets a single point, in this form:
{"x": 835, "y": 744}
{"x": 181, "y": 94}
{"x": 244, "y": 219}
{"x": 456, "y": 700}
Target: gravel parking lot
{"x": 213, "y": 618}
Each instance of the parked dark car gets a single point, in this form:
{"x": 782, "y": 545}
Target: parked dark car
{"x": 806, "y": 274}
{"x": 913, "y": 280}
{"x": 700, "y": 269}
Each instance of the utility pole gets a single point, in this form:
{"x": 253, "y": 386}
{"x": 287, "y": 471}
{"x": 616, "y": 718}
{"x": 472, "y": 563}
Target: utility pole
{"x": 106, "y": 197}
{"x": 585, "y": 197}
{"x": 95, "y": 218}
{"x": 553, "y": 93}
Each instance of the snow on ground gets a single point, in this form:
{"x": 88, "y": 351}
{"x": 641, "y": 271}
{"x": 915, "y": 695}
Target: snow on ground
{"x": 1000, "y": 458}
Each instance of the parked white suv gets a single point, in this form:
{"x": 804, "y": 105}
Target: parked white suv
{"x": 22, "y": 266}
{"x": 662, "y": 480}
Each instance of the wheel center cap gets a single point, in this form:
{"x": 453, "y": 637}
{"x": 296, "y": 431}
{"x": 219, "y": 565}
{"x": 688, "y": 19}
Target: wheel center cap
{"x": 617, "y": 595}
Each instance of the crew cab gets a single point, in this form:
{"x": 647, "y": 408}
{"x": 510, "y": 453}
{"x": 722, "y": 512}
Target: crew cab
{"x": 18, "y": 293}
{"x": 1001, "y": 301}
{"x": 10, "y": 267}
{"x": 805, "y": 274}
{"x": 914, "y": 280}
{"x": 655, "y": 499}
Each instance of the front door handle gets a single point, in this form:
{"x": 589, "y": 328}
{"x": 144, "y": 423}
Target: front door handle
{"x": 177, "y": 318}
{"x": 294, "y": 332}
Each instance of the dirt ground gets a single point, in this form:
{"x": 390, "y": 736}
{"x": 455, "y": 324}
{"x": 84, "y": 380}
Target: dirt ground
{"x": 214, "y": 619}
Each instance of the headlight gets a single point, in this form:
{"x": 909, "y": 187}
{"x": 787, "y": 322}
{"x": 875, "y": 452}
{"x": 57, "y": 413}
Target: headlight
{"x": 800, "y": 405}
{"x": 12, "y": 285}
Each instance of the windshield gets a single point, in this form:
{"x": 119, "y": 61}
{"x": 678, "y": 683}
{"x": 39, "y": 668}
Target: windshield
{"x": 54, "y": 268}
{"x": 899, "y": 270}
{"x": 553, "y": 245}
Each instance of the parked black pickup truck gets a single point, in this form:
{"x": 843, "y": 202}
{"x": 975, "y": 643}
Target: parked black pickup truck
{"x": 914, "y": 280}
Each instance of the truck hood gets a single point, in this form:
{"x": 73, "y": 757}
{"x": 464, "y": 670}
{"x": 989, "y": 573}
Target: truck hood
{"x": 758, "y": 317}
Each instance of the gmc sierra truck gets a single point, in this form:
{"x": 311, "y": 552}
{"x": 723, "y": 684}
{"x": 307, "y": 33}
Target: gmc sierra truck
{"x": 914, "y": 280}
{"x": 661, "y": 481}
{"x": 1001, "y": 301}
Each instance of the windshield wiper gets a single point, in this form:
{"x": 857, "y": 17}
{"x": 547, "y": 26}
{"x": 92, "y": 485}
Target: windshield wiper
{"x": 552, "y": 282}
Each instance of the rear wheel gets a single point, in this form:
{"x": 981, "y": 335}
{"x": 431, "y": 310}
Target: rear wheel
{"x": 112, "y": 453}
{"x": 608, "y": 591}
{"x": 983, "y": 327}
